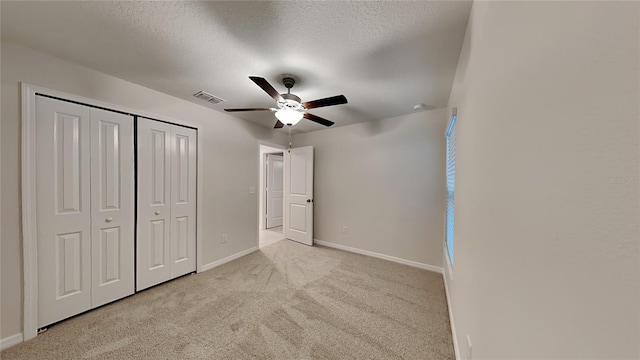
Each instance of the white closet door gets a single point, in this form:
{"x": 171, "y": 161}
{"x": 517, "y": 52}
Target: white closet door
{"x": 183, "y": 201}
{"x": 63, "y": 156}
{"x": 112, "y": 206}
{"x": 153, "y": 247}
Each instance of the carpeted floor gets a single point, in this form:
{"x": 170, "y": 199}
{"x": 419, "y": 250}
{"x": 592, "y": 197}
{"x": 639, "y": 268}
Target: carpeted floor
{"x": 286, "y": 301}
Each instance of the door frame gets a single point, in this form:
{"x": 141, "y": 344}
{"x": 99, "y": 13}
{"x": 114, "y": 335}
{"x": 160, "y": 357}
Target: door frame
{"x": 264, "y": 148}
{"x": 28, "y": 191}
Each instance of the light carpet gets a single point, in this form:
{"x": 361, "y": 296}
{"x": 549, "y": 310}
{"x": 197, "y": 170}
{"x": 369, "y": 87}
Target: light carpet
{"x": 286, "y": 301}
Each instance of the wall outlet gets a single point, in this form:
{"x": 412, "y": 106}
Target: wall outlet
{"x": 345, "y": 229}
{"x": 469, "y": 352}
{"x": 224, "y": 239}
{"x": 252, "y": 190}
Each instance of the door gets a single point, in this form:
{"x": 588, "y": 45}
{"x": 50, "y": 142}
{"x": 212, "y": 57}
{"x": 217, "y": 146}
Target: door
{"x": 63, "y": 155}
{"x": 112, "y": 206}
{"x": 183, "y": 201}
{"x": 298, "y": 222}
{"x": 153, "y": 248}
{"x": 275, "y": 190}
{"x": 167, "y": 158}
{"x": 84, "y": 201}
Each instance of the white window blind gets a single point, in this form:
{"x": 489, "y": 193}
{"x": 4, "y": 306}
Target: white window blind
{"x": 451, "y": 182}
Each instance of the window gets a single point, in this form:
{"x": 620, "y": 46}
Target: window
{"x": 451, "y": 181}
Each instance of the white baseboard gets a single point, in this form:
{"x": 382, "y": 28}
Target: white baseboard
{"x": 380, "y": 256}
{"x": 10, "y": 341}
{"x": 227, "y": 259}
{"x": 454, "y": 334}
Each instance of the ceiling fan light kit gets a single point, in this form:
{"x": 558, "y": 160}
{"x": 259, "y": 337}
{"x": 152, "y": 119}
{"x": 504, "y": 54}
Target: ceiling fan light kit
{"x": 290, "y": 108}
{"x": 288, "y": 116}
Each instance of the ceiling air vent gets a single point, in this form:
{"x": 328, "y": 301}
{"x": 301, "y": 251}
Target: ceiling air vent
{"x": 208, "y": 97}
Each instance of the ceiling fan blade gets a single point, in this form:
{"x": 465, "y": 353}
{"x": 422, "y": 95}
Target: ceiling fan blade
{"x": 334, "y": 100}
{"x": 250, "y": 109}
{"x": 264, "y": 84}
{"x": 279, "y": 125}
{"x": 318, "y": 119}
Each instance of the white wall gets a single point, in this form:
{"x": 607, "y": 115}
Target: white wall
{"x": 385, "y": 181}
{"x": 547, "y": 183}
{"x": 230, "y": 160}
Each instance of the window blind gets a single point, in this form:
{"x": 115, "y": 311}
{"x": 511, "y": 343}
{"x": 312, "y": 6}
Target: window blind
{"x": 451, "y": 182}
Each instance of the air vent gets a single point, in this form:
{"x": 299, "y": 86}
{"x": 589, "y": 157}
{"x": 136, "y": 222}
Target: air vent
{"x": 208, "y": 97}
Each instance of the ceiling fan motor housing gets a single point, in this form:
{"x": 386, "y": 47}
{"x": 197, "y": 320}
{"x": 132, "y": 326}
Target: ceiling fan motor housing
{"x": 291, "y": 102}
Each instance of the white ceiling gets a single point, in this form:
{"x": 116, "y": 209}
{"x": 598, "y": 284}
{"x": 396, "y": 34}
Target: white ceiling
{"x": 385, "y": 57}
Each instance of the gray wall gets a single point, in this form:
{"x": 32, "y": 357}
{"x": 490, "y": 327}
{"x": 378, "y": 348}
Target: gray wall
{"x": 547, "y": 182}
{"x": 385, "y": 181}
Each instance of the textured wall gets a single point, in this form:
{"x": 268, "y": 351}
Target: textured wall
{"x": 547, "y": 183}
{"x": 230, "y": 151}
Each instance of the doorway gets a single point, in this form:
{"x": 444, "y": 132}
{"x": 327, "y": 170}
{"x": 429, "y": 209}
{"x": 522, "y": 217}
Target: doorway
{"x": 274, "y": 190}
{"x": 270, "y": 204}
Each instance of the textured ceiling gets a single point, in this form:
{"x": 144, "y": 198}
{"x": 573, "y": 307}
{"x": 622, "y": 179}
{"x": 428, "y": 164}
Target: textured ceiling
{"x": 385, "y": 57}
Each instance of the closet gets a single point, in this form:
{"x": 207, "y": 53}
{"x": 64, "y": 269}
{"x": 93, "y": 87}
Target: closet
{"x": 166, "y": 246}
{"x": 85, "y": 208}
{"x": 115, "y": 199}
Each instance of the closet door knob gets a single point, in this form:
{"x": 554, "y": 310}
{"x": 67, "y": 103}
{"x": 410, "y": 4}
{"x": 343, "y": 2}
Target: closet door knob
{"x": 157, "y": 212}
{"x": 109, "y": 219}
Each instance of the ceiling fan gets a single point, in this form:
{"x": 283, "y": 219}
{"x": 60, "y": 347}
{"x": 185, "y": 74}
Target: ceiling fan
{"x": 290, "y": 109}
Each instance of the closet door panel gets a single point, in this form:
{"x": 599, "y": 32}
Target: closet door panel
{"x": 154, "y": 203}
{"x": 63, "y": 209}
{"x": 183, "y": 201}
{"x": 112, "y": 203}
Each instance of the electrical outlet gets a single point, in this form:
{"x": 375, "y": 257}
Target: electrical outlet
{"x": 252, "y": 190}
{"x": 224, "y": 239}
{"x": 345, "y": 229}
{"x": 469, "y": 353}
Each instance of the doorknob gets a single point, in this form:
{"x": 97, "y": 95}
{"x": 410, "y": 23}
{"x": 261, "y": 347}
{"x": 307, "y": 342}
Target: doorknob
{"x": 109, "y": 219}
{"x": 158, "y": 212}
{"x": 309, "y": 200}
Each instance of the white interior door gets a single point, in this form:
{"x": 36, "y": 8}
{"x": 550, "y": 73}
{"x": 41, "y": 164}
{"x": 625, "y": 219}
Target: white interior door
{"x": 183, "y": 201}
{"x": 275, "y": 190}
{"x": 298, "y": 171}
{"x": 63, "y": 156}
{"x": 153, "y": 248}
{"x": 112, "y": 206}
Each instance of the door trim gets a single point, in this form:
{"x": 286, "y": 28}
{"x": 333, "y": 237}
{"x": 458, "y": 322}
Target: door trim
{"x": 264, "y": 147}
{"x": 28, "y": 191}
